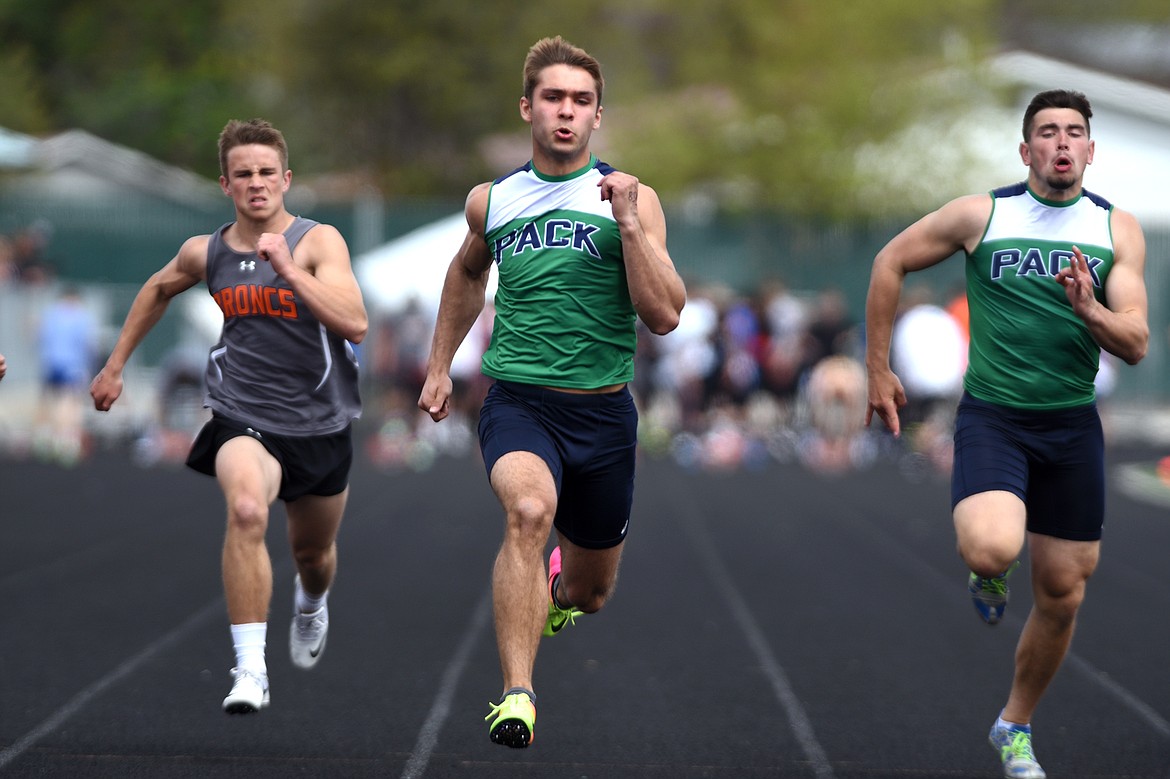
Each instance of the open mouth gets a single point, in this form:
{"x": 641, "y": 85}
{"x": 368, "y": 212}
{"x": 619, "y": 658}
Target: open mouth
{"x": 1062, "y": 164}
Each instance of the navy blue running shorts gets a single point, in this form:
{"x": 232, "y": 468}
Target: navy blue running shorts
{"x": 1052, "y": 460}
{"x": 589, "y": 443}
{"x": 309, "y": 465}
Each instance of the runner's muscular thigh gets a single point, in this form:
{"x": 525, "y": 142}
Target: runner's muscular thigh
{"x": 995, "y": 515}
{"x": 244, "y": 467}
{"x": 525, "y": 487}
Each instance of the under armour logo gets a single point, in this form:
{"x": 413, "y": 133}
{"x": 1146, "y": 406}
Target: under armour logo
{"x": 248, "y": 265}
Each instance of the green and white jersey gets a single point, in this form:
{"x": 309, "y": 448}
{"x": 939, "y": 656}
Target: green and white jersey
{"x": 563, "y": 311}
{"x": 1028, "y": 349}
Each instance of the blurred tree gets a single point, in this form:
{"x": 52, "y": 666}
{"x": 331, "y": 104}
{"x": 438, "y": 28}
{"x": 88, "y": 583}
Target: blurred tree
{"x": 766, "y": 103}
{"x": 22, "y": 101}
{"x": 749, "y": 102}
{"x": 404, "y": 91}
{"x": 146, "y": 75}
{"x": 736, "y": 104}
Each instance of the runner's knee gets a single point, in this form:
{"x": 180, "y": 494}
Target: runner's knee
{"x": 247, "y": 515}
{"x": 530, "y": 517}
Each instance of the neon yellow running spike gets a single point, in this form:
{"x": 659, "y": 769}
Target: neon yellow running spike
{"x": 515, "y": 721}
{"x": 557, "y": 617}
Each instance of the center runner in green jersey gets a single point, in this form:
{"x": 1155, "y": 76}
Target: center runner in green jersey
{"x": 580, "y": 249}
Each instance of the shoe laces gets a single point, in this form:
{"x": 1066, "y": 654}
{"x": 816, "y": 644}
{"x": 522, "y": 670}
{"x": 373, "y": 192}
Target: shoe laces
{"x": 1020, "y": 747}
{"x": 242, "y": 674}
{"x": 508, "y": 702}
{"x": 997, "y": 585}
{"x": 308, "y": 625}
{"x": 568, "y": 615}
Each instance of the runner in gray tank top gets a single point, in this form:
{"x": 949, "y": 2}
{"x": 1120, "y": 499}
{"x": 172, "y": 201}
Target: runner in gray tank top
{"x": 282, "y": 387}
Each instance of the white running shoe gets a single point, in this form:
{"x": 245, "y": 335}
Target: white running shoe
{"x": 1014, "y": 745}
{"x": 249, "y": 692}
{"x": 307, "y": 634}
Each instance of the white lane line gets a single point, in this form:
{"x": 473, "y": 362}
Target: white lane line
{"x": 428, "y": 736}
{"x": 79, "y": 701}
{"x": 1127, "y": 698}
{"x": 946, "y": 584}
{"x": 797, "y": 717}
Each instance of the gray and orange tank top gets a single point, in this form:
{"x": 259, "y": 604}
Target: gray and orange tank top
{"x": 275, "y": 366}
{"x": 1028, "y": 349}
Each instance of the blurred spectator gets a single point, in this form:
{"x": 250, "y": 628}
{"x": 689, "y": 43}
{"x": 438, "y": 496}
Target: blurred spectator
{"x": 957, "y": 307}
{"x": 928, "y": 351}
{"x": 68, "y": 349}
{"x": 689, "y": 358}
{"x": 746, "y": 377}
{"x": 736, "y": 355}
{"x": 28, "y": 247}
{"x": 9, "y": 271}
{"x": 397, "y": 360}
{"x": 782, "y": 357}
{"x": 835, "y": 395}
{"x": 831, "y": 329}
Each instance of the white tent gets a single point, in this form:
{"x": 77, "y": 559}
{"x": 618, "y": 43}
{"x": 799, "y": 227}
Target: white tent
{"x": 412, "y": 266}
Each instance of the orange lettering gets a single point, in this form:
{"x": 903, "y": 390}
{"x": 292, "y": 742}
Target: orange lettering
{"x": 241, "y": 295}
{"x": 271, "y": 301}
{"x": 259, "y": 305}
{"x": 224, "y": 298}
{"x": 288, "y": 305}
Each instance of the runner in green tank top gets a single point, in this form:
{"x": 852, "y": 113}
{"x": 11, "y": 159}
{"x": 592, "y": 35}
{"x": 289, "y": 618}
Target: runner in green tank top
{"x": 1054, "y": 275}
{"x": 580, "y": 249}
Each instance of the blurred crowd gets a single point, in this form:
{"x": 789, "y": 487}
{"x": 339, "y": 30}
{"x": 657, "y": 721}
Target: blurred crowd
{"x": 774, "y": 375}
{"x": 22, "y": 255}
{"x": 746, "y": 379}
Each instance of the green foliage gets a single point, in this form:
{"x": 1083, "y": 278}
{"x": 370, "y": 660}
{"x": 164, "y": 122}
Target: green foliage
{"x": 144, "y": 75}
{"x": 739, "y": 103}
{"x": 22, "y": 103}
{"x": 784, "y": 93}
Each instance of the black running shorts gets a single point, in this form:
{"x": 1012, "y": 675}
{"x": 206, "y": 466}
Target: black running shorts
{"x": 589, "y": 443}
{"x": 309, "y": 465}
{"x": 1054, "y": 461}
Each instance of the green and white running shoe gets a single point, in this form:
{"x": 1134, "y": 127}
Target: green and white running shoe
{"x": 990, "y": 595}
{"x": 1014, "y": 746}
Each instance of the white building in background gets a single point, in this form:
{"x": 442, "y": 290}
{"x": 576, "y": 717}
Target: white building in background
{"x": 17, "y": 150}
{"x": 977, "y": 150}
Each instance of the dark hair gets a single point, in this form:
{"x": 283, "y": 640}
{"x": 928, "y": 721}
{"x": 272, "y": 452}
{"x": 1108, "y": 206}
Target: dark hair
{"x": 238, "y": 133}
{"x": 558, "y": 51}
{"x": 1057, "y": 98}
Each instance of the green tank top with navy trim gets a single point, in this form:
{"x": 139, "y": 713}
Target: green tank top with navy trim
{"x": 563, "y": 312}
{"x": 1028, "y": 349}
